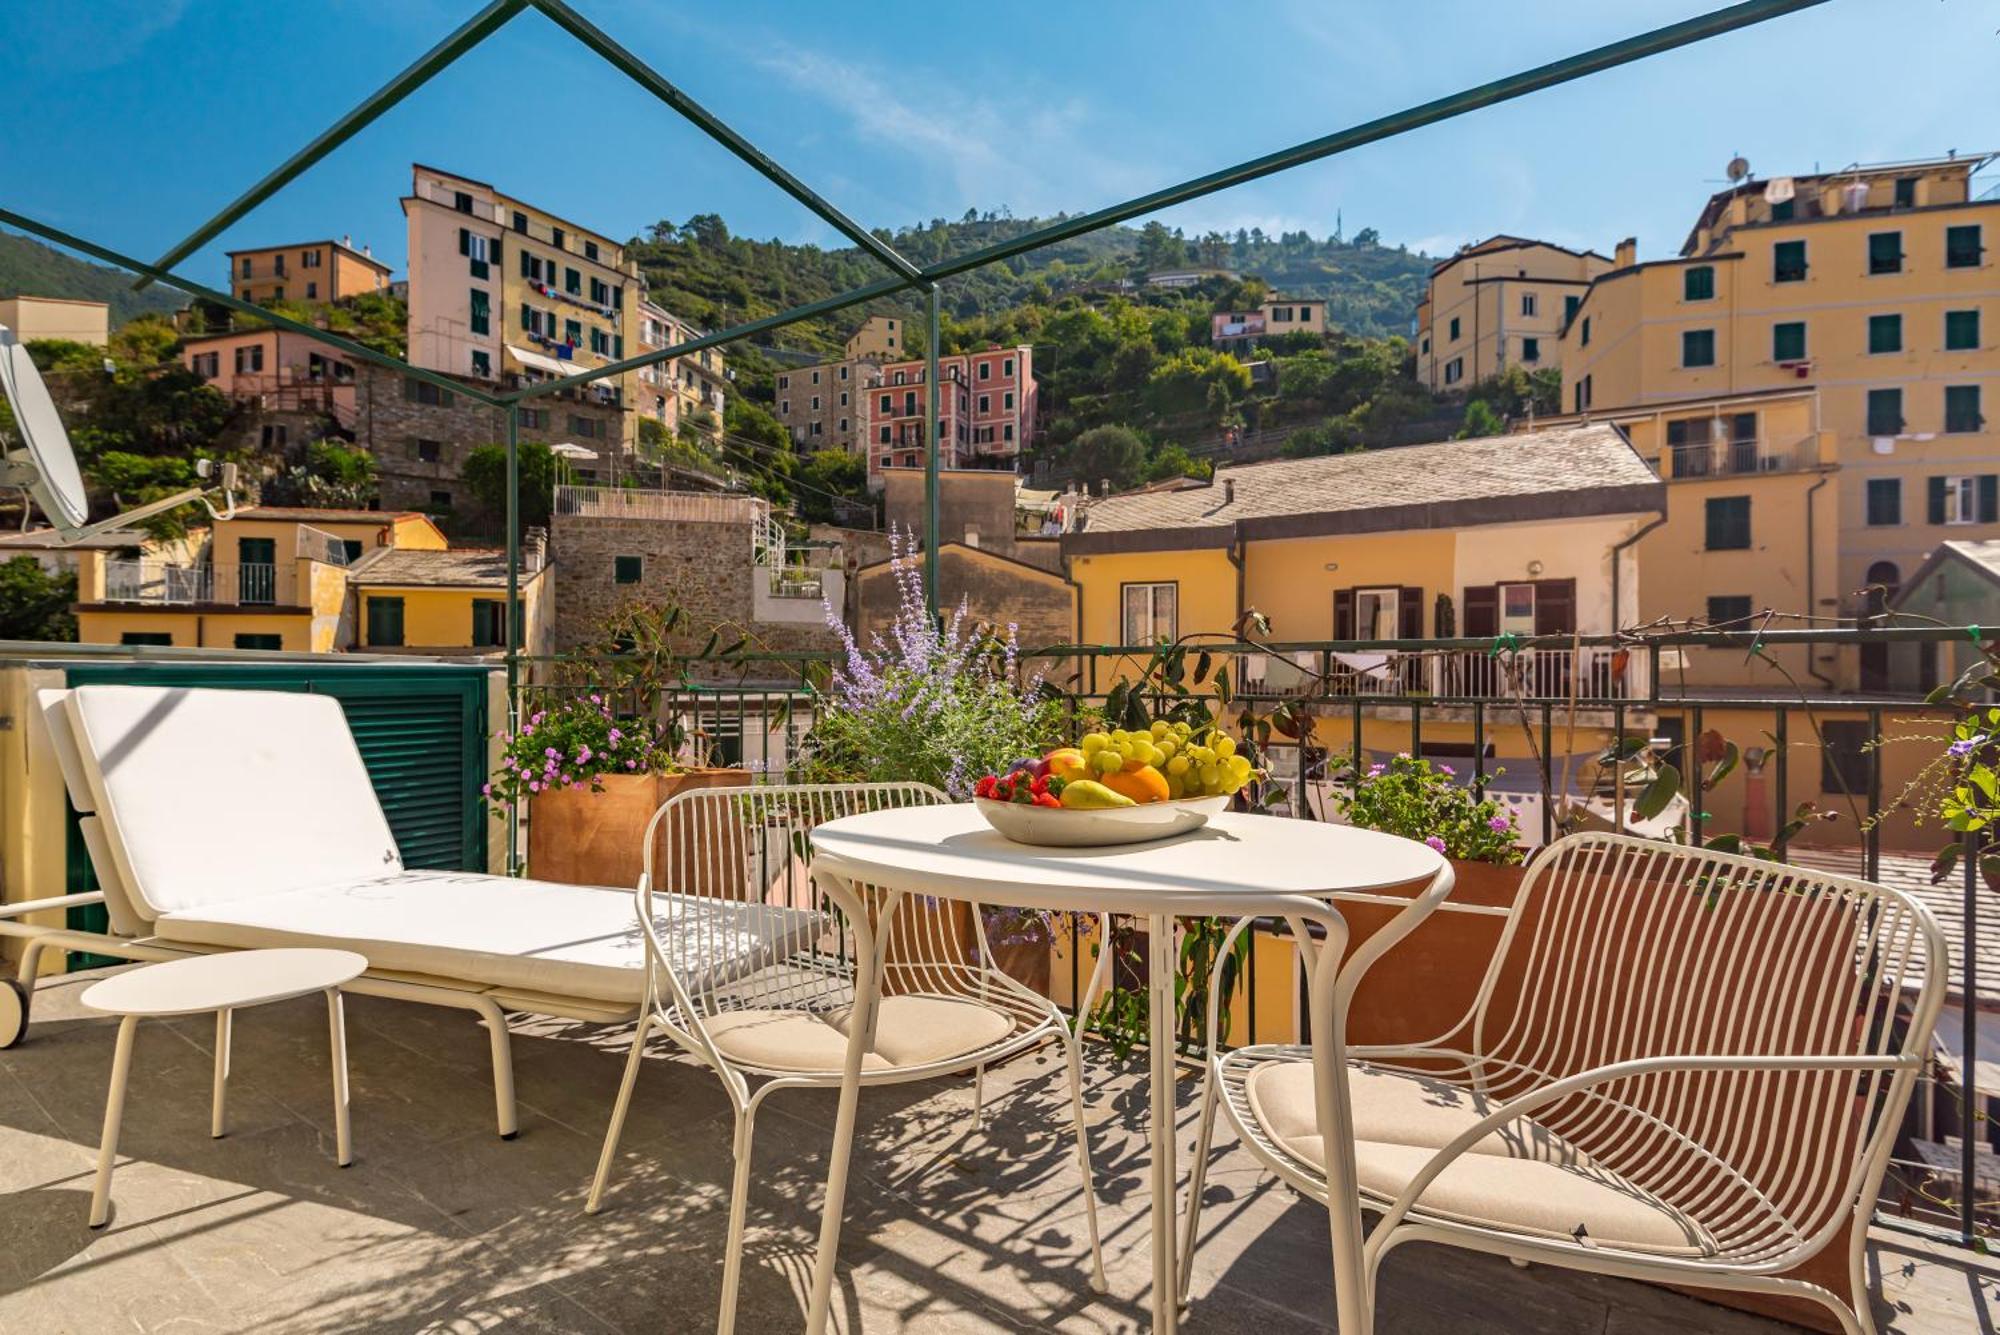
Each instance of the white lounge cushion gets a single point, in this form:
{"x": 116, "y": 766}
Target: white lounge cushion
{"x": 909, "y": 1031}
{"x": 1528, "y": 1181}
{"x": 211, "y": 796}
{"x": 565, "y": 940}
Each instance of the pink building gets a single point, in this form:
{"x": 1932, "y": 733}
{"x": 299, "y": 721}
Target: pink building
{"x": 286, "y": 372}
{"x": 987, "y": 411}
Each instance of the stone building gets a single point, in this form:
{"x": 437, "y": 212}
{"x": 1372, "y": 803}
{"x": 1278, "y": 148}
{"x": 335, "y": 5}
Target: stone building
{"x": 826, "y": 407}
{"x": 420, "y": 436}
{"x": 719, "y": 558}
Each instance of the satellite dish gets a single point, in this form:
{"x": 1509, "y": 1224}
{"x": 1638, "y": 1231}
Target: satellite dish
{"x": 1739, "y": 167}
{"x": 39, "y": 458}
{"x": 1779, "y": 190}
{"x": 42, "y": 461}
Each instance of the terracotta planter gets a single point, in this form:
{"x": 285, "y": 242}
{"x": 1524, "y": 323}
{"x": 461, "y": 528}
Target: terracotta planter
{"x": 1427, "y": 983}
{"x": 581, "y": 837}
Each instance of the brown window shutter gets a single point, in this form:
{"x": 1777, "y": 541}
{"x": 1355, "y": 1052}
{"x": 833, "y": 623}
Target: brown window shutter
{"x": 1410, "y": 614}
{"x": 1555, "y": 606}
{"x": 1343, "y": 614}
{"x": 1482, "y": 611}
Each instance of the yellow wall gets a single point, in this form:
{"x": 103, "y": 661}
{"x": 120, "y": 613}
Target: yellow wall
{"x": 1637, "y": 317}
{"x": 1206, "y": 593}
{"x": 32, "y": 318}
{"x": 1289, "y": 582}
{"x": 881, "y": 336}
{"x": 34, "y": 838}
{"x": 194, "y": 630}
{"x": 441, "y": 618}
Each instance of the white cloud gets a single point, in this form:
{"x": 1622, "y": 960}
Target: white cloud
{"x": 1029, "y": 152}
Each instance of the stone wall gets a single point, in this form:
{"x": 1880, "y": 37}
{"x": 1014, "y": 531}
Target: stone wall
{"x": 391, "y": 422}
{"x": 704, "y": 568}
{"x": 996, "y": 591}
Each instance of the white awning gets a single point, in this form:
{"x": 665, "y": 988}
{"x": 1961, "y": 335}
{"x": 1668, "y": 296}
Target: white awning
{"x": 569, "y": 449}
{"x": 542, "y": 361}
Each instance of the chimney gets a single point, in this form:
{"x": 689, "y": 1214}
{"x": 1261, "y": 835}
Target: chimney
{"x": 1228, "y": 490}
{"x": 347, "y": 240}
{"x": 534, "y": 549}
{"x": 1627, "y": 254}
{"x": 1104, "y": 486}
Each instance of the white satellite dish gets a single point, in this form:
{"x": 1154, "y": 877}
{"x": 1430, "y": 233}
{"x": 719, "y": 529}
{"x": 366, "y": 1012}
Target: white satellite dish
{"x": 40, "y": 461}
{"x": 1779, "y": 190}
{"x": 44, "y": 463}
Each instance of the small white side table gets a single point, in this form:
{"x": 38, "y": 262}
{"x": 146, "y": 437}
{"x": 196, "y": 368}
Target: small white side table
{"x": 220, "y": 983}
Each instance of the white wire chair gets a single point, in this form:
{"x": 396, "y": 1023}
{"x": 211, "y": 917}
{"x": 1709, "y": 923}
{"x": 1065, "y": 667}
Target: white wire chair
{"x": 1681, "y": 1066}
{"x": 738, "y": 860}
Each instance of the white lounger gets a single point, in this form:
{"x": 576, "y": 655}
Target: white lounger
{"x": 223, "y": 819}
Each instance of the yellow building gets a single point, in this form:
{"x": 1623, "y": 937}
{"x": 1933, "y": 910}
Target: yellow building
{"x": 445, "y": 601}
{"x": 306, "y": 271}
{"x": 273, "y": 578}
{"x": 883, "y": 337}
{"x": 33, "y": 318}
{"x": 1876, "y": 287}
{"x": 505, "y": 292}
{"x": 1243, "y": 329}
{"x": 1497, "y": 304}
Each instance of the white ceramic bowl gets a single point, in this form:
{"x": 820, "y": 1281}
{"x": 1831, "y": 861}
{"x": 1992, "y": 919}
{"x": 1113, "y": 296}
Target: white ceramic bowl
{"x": 1078, "y": 827}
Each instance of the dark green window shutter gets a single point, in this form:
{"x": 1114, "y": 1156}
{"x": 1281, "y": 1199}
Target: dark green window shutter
{"x": 625, "y": 569}
{"x": 1989, "y": 498}
{"x": 1788, "y": 341}
{"x": 489, "y": 622}
{"x": 424, "y": 753}
{"x": 1885, "y": 252}
{"x": 1937, "y": 489}
{"x": 1885, "y": 333}
{"x": 1698, "y": 347}
{"x": 464, "y": 241}
{"x": 250, "y": 641}
{"x": 1569, "y": 308}
{"x": 1698, "y": 283}
{"x": 1728, "y": 523}
{"x": 1788, "y": 262}
{"x": 1961, "y": 247}
{"x": 385, "y": 621}
{"x": 1885, "y": 412}
{"x": 1961, "y": 408}
{"x": 1885, "y": 501}
{"x": 1961, "y": 331}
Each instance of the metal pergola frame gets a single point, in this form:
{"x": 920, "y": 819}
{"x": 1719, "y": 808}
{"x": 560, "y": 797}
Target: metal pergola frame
{"x": 903, "y": 275}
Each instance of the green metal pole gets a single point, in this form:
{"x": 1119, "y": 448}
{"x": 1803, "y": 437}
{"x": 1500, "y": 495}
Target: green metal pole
{"x": 469, "y": 34}
{"x": 933, "y": 432}
{"x": 515, "y": 621}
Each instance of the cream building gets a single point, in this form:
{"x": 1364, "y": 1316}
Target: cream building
{"x": 1497, "y": 304}
{"x": 57, "y": 317}
{"x": 882, "y": 337}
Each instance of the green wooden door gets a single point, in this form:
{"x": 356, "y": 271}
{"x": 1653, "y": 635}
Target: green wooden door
{"x": 421, "y": 732}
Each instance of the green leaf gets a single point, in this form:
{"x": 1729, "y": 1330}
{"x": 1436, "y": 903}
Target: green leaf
{"x": 1202, "y": 665}
{"x": 1222, "y": 686}
{"x": 1623, "y": 749}
{"x": 1727, "y": 843}
{"x": 1136, "y": 717}
{"x": 1655, "y": 796}
{"x": 714, "y": 638}
{"x": 1946, "y": 859}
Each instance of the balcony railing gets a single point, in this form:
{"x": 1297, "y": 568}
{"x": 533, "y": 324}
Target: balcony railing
{"x": 1591, "y": 674}
{"x": 1727, "y": 458}
{"x": 158, "y": 583}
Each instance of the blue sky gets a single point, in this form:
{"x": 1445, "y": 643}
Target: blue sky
{"x": 148, "y": 115}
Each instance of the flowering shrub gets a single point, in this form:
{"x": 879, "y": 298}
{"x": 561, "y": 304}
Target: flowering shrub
{"x": 1418, "y": 800}
{"x": 573, "y": 743}
{"x": 924, "y": 703}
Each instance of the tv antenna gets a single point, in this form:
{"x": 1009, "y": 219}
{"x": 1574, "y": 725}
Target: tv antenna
{"x": 40, "y": 461}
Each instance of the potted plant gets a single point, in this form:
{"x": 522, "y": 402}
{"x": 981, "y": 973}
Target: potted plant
{"x": 591, "y": 780}
{"x": 1427, "y": 984}
{"x": 940, "y": 704}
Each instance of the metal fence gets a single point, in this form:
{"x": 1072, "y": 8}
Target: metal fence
{"x": 1525, "y": 722}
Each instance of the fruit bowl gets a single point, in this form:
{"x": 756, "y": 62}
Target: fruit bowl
{"x": 1100, "y": 827}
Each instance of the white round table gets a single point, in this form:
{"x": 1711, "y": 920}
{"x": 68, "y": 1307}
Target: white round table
{"x": 221, "y": 983}
{"x": 1236, "y": 866}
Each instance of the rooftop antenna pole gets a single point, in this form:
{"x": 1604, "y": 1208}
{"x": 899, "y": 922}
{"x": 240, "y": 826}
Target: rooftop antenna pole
{"x": 932, "y": 432}
{"x": 516, "y": 623}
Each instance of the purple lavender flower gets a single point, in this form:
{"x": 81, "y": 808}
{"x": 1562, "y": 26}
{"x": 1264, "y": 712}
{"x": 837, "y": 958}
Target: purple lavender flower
{"x": 1434, "y": 842}
{"x": 1965, "y": 746}
{"x": 1501, "y": 824}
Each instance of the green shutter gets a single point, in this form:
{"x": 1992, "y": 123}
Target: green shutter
{"x": 1698, "y": 283}
{"x": 1989, "y": 498}
{"x": 1885, "y": 333}
{"x": 1937, "y": 500}
{"x": 1961, "y": 331}
{"x": 1788, "y": 341}
{"x": 1961, "y": 408}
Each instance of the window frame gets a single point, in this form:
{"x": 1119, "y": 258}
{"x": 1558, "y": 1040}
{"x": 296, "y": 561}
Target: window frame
{"x": 1718, "y": 514}
{"x": 1956, "y": 422}
{"x": 1879, "y": 264}
{"x": 387, "y": 607}
{"x": 1691, "y": 341}
{"x": 1964, "y": 320}
{"x": 1782, "y": 272}
{"x": 1778, "y": 329}
{"x": 622, "y": 563}
{"x": 1873, "y": 422}
{"x": 1698, "y": 276}
{"x": 1887, "y": 332}
{"x": 1150, "y": 591}
{"x": 1882, "y": 495}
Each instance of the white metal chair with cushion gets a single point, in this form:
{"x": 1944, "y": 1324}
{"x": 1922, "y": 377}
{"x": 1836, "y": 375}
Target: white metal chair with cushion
{"x": 1681, "y": 1066}
{"x": 944, "y": 1009}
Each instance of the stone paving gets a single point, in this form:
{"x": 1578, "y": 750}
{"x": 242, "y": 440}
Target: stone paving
{"x": 441, "y": 1226}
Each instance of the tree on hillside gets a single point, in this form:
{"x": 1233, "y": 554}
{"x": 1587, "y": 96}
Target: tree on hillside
{"x": 1109, "y": 452}
{"x": 35, "y": 605}
{"x": 1480, "y": 420}
{"x": 485, "y": 474}
{"x": 826, "y": 477}
{"x": 1173, "y": 460}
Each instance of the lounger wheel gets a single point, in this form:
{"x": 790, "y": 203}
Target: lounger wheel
{"x": 13, "y": 1012}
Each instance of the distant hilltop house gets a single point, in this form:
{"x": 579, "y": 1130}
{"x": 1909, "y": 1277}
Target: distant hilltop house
{"x": 1189, "y": 277}
{"x": 1501, "y": 302}
{"x": 1237, "y": 331}
{"x": 306, "y": 271}
{"x": 882, "y": 337}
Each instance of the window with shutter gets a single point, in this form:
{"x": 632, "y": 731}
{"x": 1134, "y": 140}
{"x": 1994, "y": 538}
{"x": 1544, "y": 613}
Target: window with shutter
{"x": 1885, "y": 412}
{"x": 1885, "y": 333}
{"x": 1961, "y": 408}
{"x": 1788, "y": 262}
{"x": 1410, "y": 614}
{"x": 1698, "y": 283}
{"x": 1698, "y": 347}
{"x": 1728, "y": 523}
{"x": 1788, "y": 341}
{"x": 1961, "y": 331}
{"x": 1962, "y": 249}
{"x": 385, "y": 621}
{"x": 1555, "y": 606}
{"x": 1482, "y": 611}
{"x": 1343, "y": 614}
{"x": 1885, "y": 252}
{"x": 1885, "y": 501}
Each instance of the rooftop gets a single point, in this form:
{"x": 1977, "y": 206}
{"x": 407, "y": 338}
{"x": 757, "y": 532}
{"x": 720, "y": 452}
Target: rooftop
{"x": 460, "y": 568}
{"x": 1556, "y": 472}
{"x": 439, "y": 1225}
{"x": 306, "y": 514}
{"x": 358, "y": 256}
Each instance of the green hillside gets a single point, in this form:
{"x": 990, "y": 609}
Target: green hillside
{"x": 702, "y": 272}
{"x": 27, "y": 267}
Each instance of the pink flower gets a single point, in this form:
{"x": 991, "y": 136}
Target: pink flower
{"x": 549, "y": 751}
{"x": 597, "y": 699}
{"x": 615, "y": 735}
{"x": 486, "y": 790}
{"x": 631, "y": 764}
{"x": 567, "y": 781}
{"x": 1500, "y": 823}
{"x": 1447, "y": 771}
{"x": 534, "y": 787}
{"x": 1374, "y": 771}
{"x": 1434, "y": 842}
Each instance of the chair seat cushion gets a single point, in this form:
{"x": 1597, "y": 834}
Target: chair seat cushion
{"x": 1525, "y": 1179}
{"x": 497, "y": 931}
{"x": 1394, "y": 1108}
{"x": 909, "y": 1031}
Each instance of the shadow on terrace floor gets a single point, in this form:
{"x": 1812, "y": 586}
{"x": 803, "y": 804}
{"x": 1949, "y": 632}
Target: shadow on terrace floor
{"x": 440, "y": 1225}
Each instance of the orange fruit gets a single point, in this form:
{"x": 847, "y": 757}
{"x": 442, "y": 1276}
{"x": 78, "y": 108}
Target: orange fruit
{"x": 1145, "y": 784}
